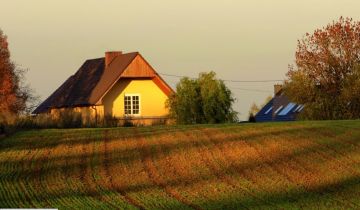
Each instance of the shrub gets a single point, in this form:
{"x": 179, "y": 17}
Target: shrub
{"x": 110, "y": 121}
{"x": 70, "y": 119}
{"x": 159, "y": 121}
{"x": 202, "y": 100}
{"x": 127, "y": 123}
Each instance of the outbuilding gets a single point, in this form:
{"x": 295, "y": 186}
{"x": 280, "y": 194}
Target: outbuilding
{"x": 279, "y": 108}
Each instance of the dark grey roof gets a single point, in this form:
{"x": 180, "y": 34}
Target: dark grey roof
{"x": 88, "y": 84}
{"x": 286, "y": 110}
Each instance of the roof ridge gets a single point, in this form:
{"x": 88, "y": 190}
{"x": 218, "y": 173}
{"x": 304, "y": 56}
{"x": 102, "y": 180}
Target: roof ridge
{"x": 92, "y": 59}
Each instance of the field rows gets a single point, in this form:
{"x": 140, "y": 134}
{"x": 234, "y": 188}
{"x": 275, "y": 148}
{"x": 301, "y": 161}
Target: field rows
{"x": 311, "y": 165}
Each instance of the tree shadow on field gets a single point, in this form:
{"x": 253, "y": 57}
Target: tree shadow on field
{"x": 70, "y": 163}
{"x": 339, "y": 195}
{"x": 336, "y": 195}
{"x": 50, "y": 138}
{"x": 318, "y": 196}
{"x": 127, "y": 154}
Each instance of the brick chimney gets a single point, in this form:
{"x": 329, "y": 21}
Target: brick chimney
{"x": 109, "y": 56}
{"x": 277, "y": 89}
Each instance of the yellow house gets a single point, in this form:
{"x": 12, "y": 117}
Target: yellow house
{"x": 122, "y": 86}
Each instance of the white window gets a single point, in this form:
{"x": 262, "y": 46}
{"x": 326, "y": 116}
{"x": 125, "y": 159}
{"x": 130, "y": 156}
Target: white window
{"x": 132, "y": 104}
{"x": 278, "y": 109}
{"x": 302, "y": 107}
{"x": 298, "y": 106}
{"x": 267, "y": 111}
{"x": 287, "y": 109}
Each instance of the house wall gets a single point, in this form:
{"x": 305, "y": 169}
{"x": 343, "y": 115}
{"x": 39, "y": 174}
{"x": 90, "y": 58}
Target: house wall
{"x": 152, "y": 98}
{"x": 88, "y": 113}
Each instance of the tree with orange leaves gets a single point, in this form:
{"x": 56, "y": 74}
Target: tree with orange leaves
{"x": 326, "y": 77}
{"x": 13, "y": 96}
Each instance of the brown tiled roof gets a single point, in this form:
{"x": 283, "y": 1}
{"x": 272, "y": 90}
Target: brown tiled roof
{"x": 88, "y": 84}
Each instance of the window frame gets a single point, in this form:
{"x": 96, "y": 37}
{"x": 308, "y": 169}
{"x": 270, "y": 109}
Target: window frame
{"x": 132, "y": 104}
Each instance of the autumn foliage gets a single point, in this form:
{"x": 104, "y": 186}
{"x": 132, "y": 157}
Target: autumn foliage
{"x": 13, "y": 96}
{"x": 326, "y": 77}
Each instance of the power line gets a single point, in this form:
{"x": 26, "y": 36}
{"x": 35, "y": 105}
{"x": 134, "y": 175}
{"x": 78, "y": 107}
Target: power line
{"x": 252, "y": 90}
{"x": 226, "y": 80}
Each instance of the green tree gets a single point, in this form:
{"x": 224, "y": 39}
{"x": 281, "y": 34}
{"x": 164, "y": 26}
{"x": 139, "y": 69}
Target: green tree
{"x": 202, "y": 100}
{"x": 326, "y": 75}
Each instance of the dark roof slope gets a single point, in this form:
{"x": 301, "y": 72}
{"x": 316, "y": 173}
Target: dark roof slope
{"x": 279, "y": 108}
{"x": 262, "y": 116}
{"x": 111, "y": 75}
{"x": 88, "y": 84}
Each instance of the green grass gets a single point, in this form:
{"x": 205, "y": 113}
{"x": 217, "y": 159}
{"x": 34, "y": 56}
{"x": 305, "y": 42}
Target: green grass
{"x": 297, "y": 165}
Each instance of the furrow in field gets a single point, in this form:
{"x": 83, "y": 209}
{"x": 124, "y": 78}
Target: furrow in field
{"x": 172, "y": 158}
{"x": 340, "y": 152}
{"x": 157, "y": 177}
{"x": 60, "y": 179}
{"x": 41, "y": 180}
{"x": 294, "y": 163}
{"x": 194, "y": 177}
{"x": 230, "y": 170}
{"x": 101, "y": 176}
{"x": 171, "y": 196}
{"x": 5, "y": 191}
{"x": 76, "y": 173}
{"x": 9, "y": 186}
{"x": 260, "y": 162}
{"x": 129, "y": 177}
{"x": 184, "y": 173}
{"x": 294, "y": 171}
{"x": 223, "y": 168}
{"x": 24, "y": 183}
{"x": 281, "y": 166}
{"x": 89, "y": 174}
{"x": 212, "y": 163}
{"x": 108, "y": 176}
{"x": 55, "y": 181}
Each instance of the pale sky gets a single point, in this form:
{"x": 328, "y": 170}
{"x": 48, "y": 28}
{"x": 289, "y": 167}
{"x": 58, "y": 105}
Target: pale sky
{"x": 239, "y": 40}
